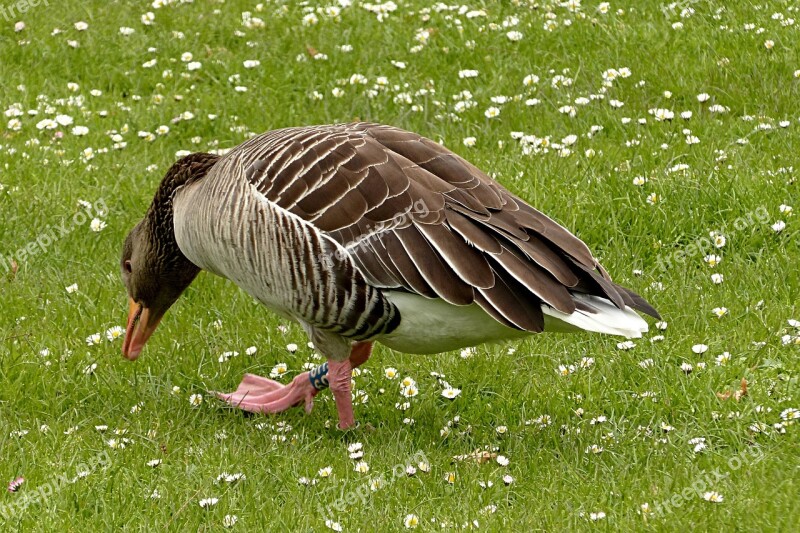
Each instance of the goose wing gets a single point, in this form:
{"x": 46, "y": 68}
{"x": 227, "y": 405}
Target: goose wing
{"x": 414, "y": 216}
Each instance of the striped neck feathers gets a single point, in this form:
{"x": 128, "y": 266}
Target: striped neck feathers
{"x": 159, "y": 217}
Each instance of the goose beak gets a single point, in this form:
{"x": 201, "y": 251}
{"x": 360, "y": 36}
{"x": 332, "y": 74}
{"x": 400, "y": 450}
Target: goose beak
{"x": 142, "y": 322}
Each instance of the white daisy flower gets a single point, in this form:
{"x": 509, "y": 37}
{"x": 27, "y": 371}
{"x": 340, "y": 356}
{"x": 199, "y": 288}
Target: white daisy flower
{"x": 97, "y": 225}
{"x": 450, "y": 393}
{"x": 411, "y": 521}
{"x": 205, "y": 503}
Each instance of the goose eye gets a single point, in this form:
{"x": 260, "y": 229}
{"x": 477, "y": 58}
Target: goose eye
{"x": 128, "y": 267}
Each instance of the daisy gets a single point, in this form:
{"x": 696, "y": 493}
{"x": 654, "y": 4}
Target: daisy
{"x": 114, "y": 333}
{"x": 450, "y": 393}
{"x": 330, "y": 524}
{"x": 597, "y": 516}
{"x": 154, "y": 463}
{"x": 390, "y": 373}
{"x": 502, "y": 460}
{"x": 97, "y": 225}
{"x": 779, "y": 226}
{"x": 718, "y": 238}
{"x": 195, "y": 400}
{"x": 699, "y": 348}
{"x": 530, "y": 79}
{"x": 230, "y": 478}
{"x": 713, "y": 497}
{"x": 230, "y": 520}
{"x": 362, "y": 467}
{"x": 16, "y": 484}
{"x": 410, "y": 391}
{"x": 661, "y": 114}
{"x": 205, "y": 503}
{"x": 717, "y": 278}
{"x": 251, "y": 350}
{"x": 450, "y": 477}
{"x": 325, "y": 472}
{"x": 720, "y": 311}
{"x": 278, "y": 370}
{"x": 565, "y": 370}
{"x": 93, "y": 339}
{"x": 723, "y": 359}
{"x": 411, "y": 521}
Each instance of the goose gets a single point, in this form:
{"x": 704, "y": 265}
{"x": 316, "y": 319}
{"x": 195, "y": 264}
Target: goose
{"x": 364, "y": 233}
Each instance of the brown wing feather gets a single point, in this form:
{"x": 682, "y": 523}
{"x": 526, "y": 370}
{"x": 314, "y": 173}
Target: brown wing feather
{"x": 415, "y": 216}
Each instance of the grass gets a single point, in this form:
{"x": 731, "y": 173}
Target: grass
{"x": 736, "y": 178}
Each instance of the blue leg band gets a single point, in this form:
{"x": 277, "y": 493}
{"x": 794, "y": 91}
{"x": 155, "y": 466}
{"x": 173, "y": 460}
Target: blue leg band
{"x": 319, "y": 376}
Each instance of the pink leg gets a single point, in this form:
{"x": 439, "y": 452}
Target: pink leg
{"x": 360, "y": 353}
{"x": 339, "y": 376}
{"x": 261, "y": 395}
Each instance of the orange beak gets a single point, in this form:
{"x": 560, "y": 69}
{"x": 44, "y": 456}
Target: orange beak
{"x": 141, "y": 324}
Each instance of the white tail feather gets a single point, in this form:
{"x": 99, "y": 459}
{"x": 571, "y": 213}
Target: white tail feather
{"x": 608, "y": 318}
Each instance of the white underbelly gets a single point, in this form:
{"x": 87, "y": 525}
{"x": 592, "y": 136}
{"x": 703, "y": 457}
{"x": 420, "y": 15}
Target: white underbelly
{"x": 432, "y": 325}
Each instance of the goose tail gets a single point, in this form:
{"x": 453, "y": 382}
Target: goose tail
{"x": 596, "y": 314}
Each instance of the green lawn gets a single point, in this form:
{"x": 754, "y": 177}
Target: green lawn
{"x": 644, "y": 128}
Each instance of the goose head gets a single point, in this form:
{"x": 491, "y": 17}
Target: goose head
{"x": 155, "y": 276}
{"x": 154, "y": 270}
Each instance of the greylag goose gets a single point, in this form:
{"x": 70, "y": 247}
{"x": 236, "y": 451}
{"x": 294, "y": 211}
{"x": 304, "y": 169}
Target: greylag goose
{"x": 364, "y": 233}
